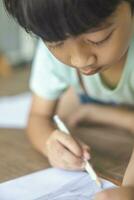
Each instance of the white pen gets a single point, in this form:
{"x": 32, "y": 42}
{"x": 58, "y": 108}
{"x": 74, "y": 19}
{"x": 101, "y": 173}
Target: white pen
{"x": 88, "y": 166}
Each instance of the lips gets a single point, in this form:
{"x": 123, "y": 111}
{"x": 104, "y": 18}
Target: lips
{"x": 91, "y": 71}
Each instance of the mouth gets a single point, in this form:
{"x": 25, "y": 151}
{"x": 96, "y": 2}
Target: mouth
{"x": 91, "y": 71}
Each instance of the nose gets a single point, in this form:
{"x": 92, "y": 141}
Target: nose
{"x": 82, "y": 59}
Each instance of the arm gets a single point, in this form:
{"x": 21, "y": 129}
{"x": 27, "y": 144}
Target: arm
{"x": 129, "y": 175}
{"x": 126, "y": 192}
{"x": 62, "y": 150}
{"x": 40, "y": 124}
{"x": 120, "y": 116}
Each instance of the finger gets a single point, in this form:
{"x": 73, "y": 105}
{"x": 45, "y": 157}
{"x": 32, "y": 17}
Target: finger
{"x": 70, "y": 143}
{"x": 86, "y": 155}
{"x": 72, "y": 162}
{"x": 62, "y": 158}
{"x": 84, "y": 146}
{"x": 86, "y": 150}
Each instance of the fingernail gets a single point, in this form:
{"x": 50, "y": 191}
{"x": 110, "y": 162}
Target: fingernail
{"x": 86, "y": 156}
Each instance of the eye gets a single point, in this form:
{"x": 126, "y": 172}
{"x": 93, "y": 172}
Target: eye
{"x": 102, "y": 41}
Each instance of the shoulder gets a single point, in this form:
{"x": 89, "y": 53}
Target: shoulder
{"x": 44, "y": 61}
{"x": 49, "y": 77}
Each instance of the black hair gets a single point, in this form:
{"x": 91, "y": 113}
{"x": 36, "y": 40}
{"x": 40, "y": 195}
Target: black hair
{"x": 55, "y": 20}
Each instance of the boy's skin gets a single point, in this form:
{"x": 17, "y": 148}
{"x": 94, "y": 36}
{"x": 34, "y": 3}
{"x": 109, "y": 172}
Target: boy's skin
{"x": 126, "y": 192}
{"x": 62, "y": 150}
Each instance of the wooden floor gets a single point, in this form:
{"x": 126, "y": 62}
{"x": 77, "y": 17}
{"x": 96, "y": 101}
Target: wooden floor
{"x": 111, "y": 147}
{"x": 16, "y": 83}
{"x": 111, "y": 150}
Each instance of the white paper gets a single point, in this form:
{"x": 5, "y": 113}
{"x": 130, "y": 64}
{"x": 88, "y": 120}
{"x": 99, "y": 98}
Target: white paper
{"x": 51, "y": 184}
{"x": 14, "y": 110}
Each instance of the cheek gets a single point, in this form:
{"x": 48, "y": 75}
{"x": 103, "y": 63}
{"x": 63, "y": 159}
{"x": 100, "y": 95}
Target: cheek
{"x": 61, "y": 54}
{"x": 116, "y": 49}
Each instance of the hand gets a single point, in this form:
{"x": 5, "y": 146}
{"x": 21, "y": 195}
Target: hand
{"x": 102, "y": 114}
{"x": 63, "y": 151}
{"x": 87, "y": 113}
{"x": 122, "y": 193}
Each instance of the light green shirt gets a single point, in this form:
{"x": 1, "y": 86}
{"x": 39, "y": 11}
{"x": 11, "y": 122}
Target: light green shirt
{"x": 50, "y": 78}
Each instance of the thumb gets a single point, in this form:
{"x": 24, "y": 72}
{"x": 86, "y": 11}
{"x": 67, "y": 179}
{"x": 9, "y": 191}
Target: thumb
{"x": 85, "y": 149}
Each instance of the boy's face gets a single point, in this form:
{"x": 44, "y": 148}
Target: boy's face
{"x": 99, "y": 49}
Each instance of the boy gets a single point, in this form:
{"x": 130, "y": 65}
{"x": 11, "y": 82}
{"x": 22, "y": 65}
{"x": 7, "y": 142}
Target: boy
{"x": 81, "y": 38}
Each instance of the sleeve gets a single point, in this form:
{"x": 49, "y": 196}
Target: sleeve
{"x": 48, "y": 76}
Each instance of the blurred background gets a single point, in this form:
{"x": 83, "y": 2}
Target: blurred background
{"x": 15, "y": 43}
{"x": 17, "y": 49}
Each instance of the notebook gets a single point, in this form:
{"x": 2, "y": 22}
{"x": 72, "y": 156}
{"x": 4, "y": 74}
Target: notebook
{"x": 52, "y": 184}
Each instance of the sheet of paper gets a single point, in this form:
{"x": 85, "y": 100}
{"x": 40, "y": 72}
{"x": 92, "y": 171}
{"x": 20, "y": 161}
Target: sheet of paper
{"x": 52, "y": 184}
{"x": 15, "y": 110}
